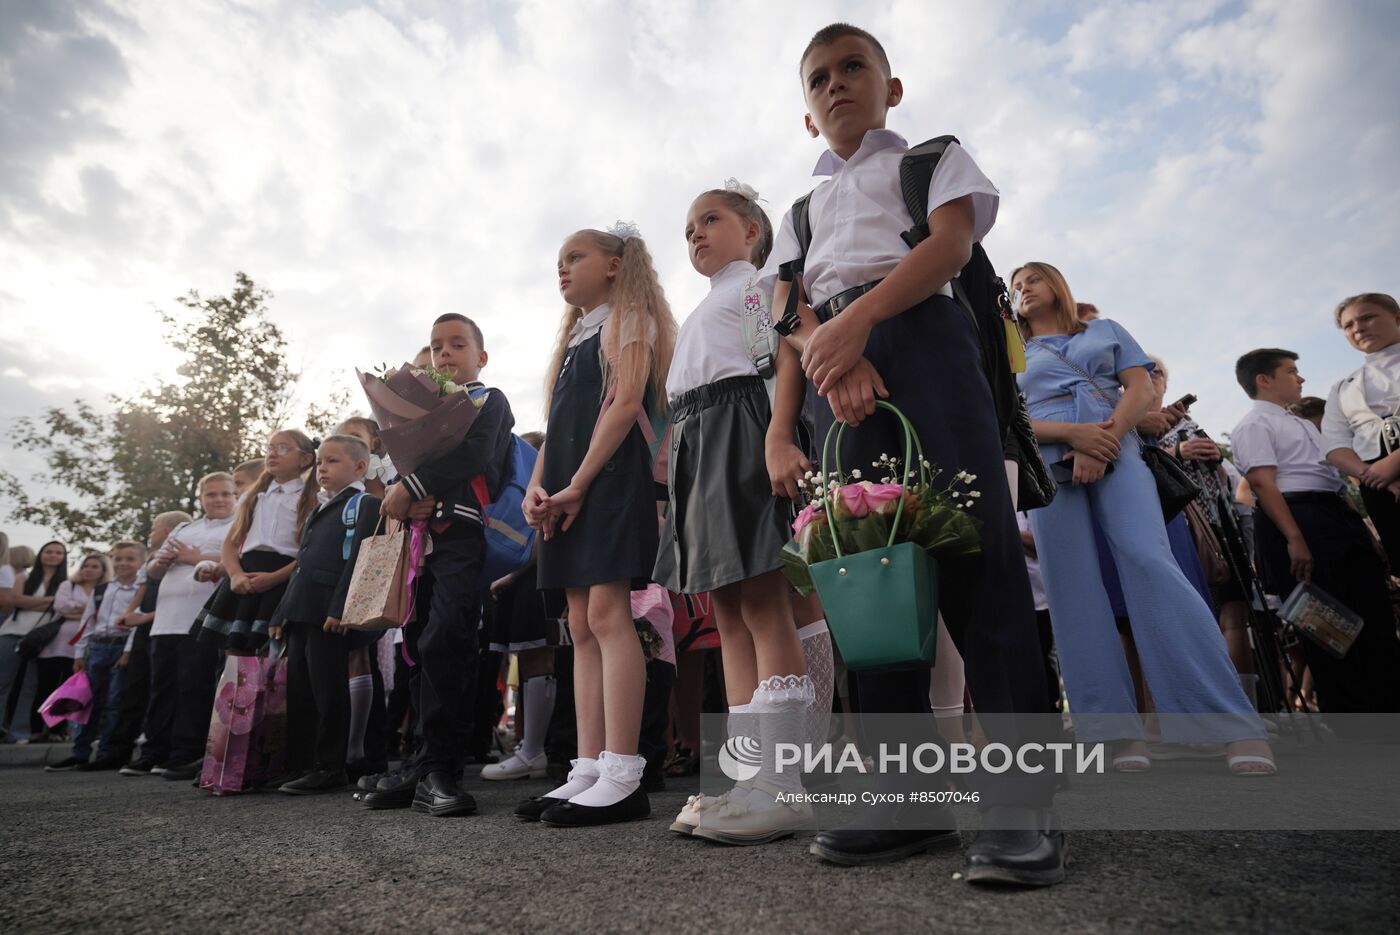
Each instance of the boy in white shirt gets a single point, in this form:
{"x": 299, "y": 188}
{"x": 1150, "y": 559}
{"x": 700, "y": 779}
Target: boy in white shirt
{"x": 1305, "y": 530}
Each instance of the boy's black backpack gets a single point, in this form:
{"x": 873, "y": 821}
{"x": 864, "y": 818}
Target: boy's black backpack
{"x": 981, "y": 293}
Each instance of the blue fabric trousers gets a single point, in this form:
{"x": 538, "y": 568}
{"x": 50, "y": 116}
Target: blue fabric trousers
{"x": 106, "y": 681}
{"x": 1183, "y": 653}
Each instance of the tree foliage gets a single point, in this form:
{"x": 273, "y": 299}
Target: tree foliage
{"x": 110, "y": 471}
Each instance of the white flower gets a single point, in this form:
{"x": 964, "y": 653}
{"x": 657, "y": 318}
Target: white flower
{"x": 971, "y": 478}
{"x": 974, "y": 493}
{"x": 450, "y": 387}
{"x": 855, "y": 475}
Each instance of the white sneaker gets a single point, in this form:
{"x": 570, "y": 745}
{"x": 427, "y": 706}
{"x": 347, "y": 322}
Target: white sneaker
{"x": 514, "y": 767}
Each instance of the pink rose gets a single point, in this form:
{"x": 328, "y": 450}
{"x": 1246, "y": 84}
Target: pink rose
{"x": 865, "y": 498}
{"x": 811, "y": 512}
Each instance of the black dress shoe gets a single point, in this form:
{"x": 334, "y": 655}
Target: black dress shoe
{"x": 102, "y": 764}
{"x": 1020, "y": 847}
{"x": 569, "y": 815}
{"x": 532, "y": 808}
{"x": 393, "y": 790}
{"x": 184, "y": 771}
{"x": 361, "y": 768}
{"x": 316, "y": 782}
{"x": 439, "y": 795}
{"x": 141, "y": 767}
{"x": 64, "y": 765}
{"x": 855, "y": 847}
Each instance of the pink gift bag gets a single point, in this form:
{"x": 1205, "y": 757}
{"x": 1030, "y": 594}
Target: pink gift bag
{"x": 71, "y": 702}
{"x": 247, "y": 729}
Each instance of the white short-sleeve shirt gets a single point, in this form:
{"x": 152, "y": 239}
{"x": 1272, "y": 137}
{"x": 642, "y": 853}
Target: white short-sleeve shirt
{"x": 1271, "y": 436}
{"x": 1358, "y": 404}
{"x": 711, "y": 345}
{"x": 858, "y": 214}
{"x": 180, "y": 597}
{"x": 274, "y": 525}
{"x": 7, "y": 576}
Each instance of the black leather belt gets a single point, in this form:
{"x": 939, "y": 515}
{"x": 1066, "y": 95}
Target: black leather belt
{"x": 1313, "y": 496}
{"x": 841, "y": 301}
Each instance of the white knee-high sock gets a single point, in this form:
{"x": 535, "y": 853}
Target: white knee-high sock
{"x": 539, "y": 694}
{"x": 361, "y": 697}
{"x": 821, "y": 669}
{"x": 781, "y": 704}
{"x": 618, "y": 777}
{"x": 583, "y": 775}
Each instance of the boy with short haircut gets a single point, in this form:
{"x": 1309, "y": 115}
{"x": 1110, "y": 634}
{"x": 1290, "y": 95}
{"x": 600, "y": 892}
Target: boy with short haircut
{"x": 447, "y": 651}
{"x": 246, "y": 475}
{"x": 881, "y": 321}
{"x": 1304, "y": 529}
{"x": 101, "y": 643}
{"x": 318, "y": 649}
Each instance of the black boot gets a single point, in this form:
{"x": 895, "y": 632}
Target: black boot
{"x": 1019, "y": 847}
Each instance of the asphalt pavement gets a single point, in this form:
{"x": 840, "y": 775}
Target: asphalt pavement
{"x": 86, "y": 852}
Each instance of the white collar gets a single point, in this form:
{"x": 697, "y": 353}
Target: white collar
{"x": 292, "y": 486}
{"x": 322, "y": 497}
{"x": 1264, "y": 405}
{"x": 1384, "y": 354}
{"x": 732, "y": 270}
{"x": 873, "y": 141}
{"x": 591, "y": 322}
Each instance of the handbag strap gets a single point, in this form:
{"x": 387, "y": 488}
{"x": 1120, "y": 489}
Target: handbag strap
{"x": 1098, "y": 390}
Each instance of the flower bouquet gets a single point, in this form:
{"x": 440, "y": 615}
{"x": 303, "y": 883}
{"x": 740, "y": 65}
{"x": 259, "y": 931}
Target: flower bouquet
{"x": 871, "y": 550}
{"x": 422, "y": 413}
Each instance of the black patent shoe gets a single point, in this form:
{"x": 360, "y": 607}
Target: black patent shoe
{"x": 439, "y": 795}
{"x": 855, "y": 847}
{"x": 568, "y": 815}
{"x": 535, "y": 806}
{"x": 1021, "y": 847}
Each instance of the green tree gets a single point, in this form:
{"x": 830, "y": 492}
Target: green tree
{"x": 109, "y": 472}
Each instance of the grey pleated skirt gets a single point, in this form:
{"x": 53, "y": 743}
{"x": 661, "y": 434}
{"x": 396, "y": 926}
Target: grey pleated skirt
{"x": 723, "y": 524}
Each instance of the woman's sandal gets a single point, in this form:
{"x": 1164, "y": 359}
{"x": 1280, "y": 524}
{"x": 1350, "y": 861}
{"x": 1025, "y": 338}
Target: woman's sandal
{"x": 1131, "y": 763}
{"x": 1243, "y": 765}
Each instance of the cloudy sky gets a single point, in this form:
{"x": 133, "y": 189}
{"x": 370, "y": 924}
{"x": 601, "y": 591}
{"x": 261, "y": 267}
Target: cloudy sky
{"x": 1215, "y": 175}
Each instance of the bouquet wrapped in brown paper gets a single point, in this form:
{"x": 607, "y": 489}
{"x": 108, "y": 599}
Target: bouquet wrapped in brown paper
{"x": 422, "y": 414}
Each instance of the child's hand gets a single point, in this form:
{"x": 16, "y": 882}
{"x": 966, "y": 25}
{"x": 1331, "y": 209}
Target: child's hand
{"x": 853, "y": 397}
{"x": 396, "y": 503}
{"x": 833, "y": 349}
{"x": 121, "y": 624}
{"x": 274, "y": 633}
{"x": 535, "y": 507}
{"x": 79, "y": 664}
{"x": 240, "y": 584}
{"x": 185, "y": 554}
{"x": 332, "y": 625}
{"x": 786, "y": 466}
{"x": 258, "y": 582}
{"x": 123, "y": 660}
{"x": 564, "y": 505}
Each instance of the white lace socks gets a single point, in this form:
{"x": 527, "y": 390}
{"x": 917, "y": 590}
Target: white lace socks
{"x": 539, "y": 693}
{"x": 618, "y": 777}
{"x": 583, "y": 775}
{"x": 821, "y": 669}
{"x": 361, "y": 697}
{"x": 781, "y": 702}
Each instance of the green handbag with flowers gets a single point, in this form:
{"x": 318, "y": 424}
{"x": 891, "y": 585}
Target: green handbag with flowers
{"x": 881, "y": 603}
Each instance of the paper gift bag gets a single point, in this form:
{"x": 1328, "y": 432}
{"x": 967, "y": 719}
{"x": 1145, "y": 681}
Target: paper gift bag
{"x": 377, "y": 598}
{"x": 247, "y": 729}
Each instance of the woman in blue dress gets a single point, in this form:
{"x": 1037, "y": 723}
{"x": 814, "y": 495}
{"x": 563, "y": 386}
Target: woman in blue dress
{"x": 1087, "y": 384}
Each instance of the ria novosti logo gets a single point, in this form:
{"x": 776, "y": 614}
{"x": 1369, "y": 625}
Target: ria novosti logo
{"x": 740, "y": 758}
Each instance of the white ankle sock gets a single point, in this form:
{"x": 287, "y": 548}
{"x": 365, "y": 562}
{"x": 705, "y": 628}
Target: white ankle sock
{"x": 583, "y": 775}
{"x": 821, "y": 669}
{"x": 618, "y": 777}
{"x": 361, "y": 697}
{"x": 539, "y": 693}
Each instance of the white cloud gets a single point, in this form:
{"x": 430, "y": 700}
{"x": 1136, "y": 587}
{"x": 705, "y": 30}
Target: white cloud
{"x": 1214, "y": 176}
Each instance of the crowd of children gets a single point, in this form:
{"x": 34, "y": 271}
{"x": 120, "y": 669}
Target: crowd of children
{"x": 672, "y": 458}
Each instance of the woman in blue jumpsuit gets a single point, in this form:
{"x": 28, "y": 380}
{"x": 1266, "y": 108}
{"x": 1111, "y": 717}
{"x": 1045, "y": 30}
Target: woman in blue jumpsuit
{"x": 1183, "y": 654}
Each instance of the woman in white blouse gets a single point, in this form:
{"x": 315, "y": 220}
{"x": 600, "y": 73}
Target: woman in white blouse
{"x": 1361, "y": 425}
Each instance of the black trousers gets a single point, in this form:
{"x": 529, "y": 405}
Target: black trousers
{"x": 184, "y": 673}
{"x": 51, "y": 672}
{"x": 1346, "y": 566}
{"x": 318, "y": 699}
{"x": 930, "y": 360}
{"x": 376, "y": 728}
{"x": 656, "y": 716}
{"x": 136, "y": 693}
{"x": 1385, "y": 516}
{"x": 447, "y": 648}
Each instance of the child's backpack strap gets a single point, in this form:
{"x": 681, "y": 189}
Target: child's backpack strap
{"x": 915, "y": 174}
{"x": 759, "y": 336}
{"x": 654, "y": 421}
{"x": 349, "y": 514}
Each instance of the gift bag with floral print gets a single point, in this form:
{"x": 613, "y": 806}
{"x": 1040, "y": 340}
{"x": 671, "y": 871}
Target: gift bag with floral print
{"x": 248, "y": 726}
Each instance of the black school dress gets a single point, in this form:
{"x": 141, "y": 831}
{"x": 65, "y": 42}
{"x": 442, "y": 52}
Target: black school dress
{"x": 614, "y": 535}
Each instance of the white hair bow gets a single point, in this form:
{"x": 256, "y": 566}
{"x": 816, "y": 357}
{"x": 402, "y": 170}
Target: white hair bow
{"x": 739, "y": 188}
{"x": 624, "y": 230}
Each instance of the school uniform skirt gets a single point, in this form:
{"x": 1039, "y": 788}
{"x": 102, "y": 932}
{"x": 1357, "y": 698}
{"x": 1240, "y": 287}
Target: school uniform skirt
{"x": 239, "y": 621}
{"x": 525, "y": 617}
{"x": 724, "y": 525}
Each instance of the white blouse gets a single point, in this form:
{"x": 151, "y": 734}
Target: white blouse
{"x": 68, "y": 598}
{"x": 180, "y": 597}
{"x": 1359, "y": 404}
{"x": 710, "y": 345}
{"x": 274, "y": 525}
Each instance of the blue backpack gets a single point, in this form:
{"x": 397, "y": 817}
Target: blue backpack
{"x": 349, "y": 514}
{"x": 510, "y": 542}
